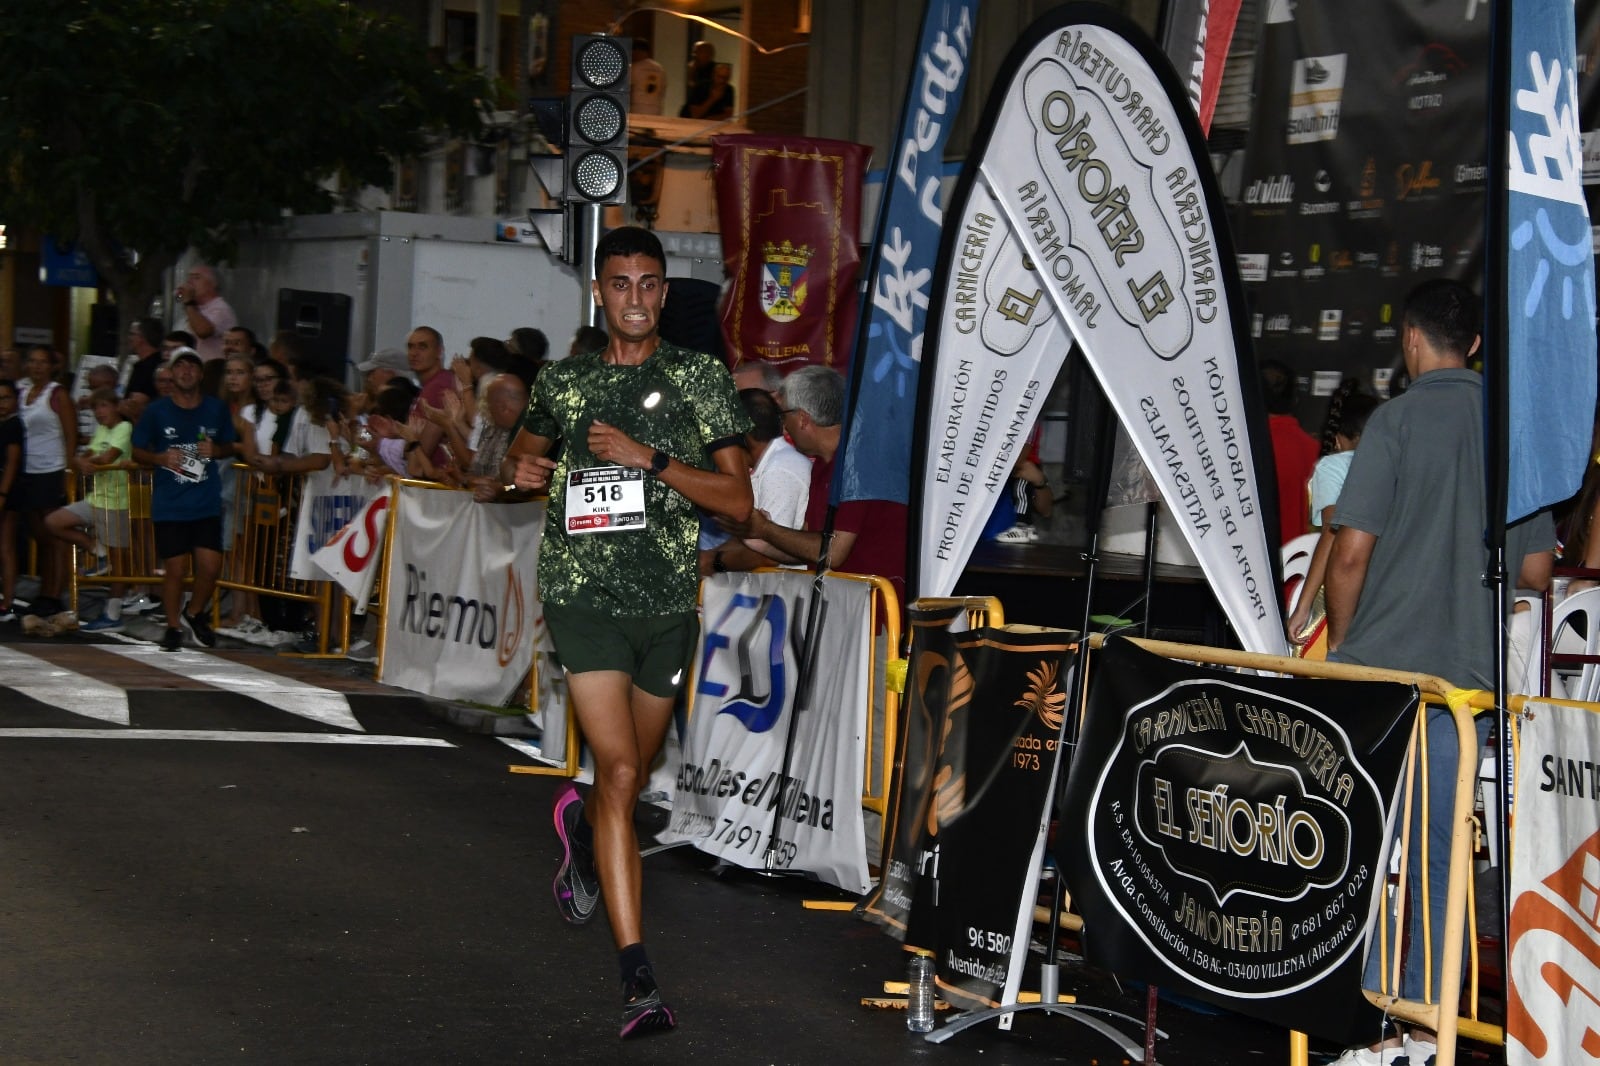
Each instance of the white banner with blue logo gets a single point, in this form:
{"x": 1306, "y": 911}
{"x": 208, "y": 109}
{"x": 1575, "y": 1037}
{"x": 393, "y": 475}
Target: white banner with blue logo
{"x": 731, "y": 788}
{"x": 1550, "y": 299}
{"x": 461, "y": 611}
{"x": 877, "y": 449}
{"x": 328, "y": 503}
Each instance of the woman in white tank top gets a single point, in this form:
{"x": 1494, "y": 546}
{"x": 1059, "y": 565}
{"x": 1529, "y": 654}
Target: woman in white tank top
{"x": 52, "y": 436}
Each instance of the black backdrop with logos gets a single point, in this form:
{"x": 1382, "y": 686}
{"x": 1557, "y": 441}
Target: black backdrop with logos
{"x": 1364, "y": 173}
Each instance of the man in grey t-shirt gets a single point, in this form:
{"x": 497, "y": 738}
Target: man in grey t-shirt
{"x": 1405, "y": 585}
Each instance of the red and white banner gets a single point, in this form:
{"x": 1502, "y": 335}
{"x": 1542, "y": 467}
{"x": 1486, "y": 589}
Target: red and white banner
{"x": 791, "y": 219}
{"x": 731, "y": 788}
{"x": 328, "y": 505}
{"x": 462, "y": 611}
{"x": 350, "y": 558}
{"x": 1554, "y": 942}
{"x": 1089, "y": 207}
{"x": 1197, "y": 36}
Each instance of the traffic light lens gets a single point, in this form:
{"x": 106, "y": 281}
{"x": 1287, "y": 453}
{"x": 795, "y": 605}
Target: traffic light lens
{"x": 601, "y": 63}
{"x": 597, "y": 175}
{"x": 598, "y": 119}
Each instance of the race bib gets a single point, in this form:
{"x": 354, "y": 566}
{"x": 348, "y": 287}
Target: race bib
{"x": 193, "y": 467}
{"x": 605, "y": 499}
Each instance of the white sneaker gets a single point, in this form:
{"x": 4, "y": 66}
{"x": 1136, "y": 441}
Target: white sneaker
{"x": 1019, "y": 534}
{"x": 362, "y": 651}
{"x": 1361, "y": 1056}
{"x": 138, "y": 603}
{"x": 250, "y": 630}
{"x": 1420, "y": 1052}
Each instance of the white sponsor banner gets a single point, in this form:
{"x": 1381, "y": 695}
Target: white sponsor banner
{"x": 730, "y": 782}
{"x": 462, "y": 611}
{"x": 1555, "y": 890}
{"x": 328, "y": 503}
{"x": 1089, "y": 166}
{"x": 350, "y": 557}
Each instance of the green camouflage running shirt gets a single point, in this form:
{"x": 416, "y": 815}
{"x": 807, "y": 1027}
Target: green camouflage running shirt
{"x": 676, "y": 401}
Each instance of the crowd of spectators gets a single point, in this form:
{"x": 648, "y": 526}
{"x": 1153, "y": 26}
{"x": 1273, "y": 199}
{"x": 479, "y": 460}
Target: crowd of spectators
{"x": 415, "y": 413}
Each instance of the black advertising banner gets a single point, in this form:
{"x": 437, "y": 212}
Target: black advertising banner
{"x": 992, "y": 821}
{"x": 1235, "y": 828}
{"x": 1365, "y": 172}
{"x": 910, "y": 858}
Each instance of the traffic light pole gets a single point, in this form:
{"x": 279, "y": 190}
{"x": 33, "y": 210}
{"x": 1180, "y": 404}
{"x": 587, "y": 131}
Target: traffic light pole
{"x": 588, "y": 219}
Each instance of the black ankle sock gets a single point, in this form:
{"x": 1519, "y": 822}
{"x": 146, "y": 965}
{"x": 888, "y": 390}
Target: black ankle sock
{"x": 632, "y": 959}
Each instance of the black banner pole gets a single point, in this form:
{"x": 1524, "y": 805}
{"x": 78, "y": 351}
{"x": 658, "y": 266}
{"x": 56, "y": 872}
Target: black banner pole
{"x": 802, "y": 689}
{"x": 1496, "y": 442}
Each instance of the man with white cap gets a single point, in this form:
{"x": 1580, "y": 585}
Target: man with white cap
{"x": 184, "y": 436}
{"x": 378, "y": 369}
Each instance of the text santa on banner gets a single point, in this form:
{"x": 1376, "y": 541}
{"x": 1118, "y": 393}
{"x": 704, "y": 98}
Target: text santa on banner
{"x": 1553, "y": 947}
{"x": 731, "y": 787}
{"x": 1090, "y": 208}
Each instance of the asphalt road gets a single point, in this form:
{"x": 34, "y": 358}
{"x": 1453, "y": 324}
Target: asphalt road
{"x": 251, "y": 878}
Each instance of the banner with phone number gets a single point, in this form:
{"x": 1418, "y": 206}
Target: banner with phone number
{"x": 731, "y": 788}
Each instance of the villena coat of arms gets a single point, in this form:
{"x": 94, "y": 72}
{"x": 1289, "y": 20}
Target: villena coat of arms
{"x": 783, "y": 285}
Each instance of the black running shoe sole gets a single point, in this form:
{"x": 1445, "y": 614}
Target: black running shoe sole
{"x": 656, "y": 1018}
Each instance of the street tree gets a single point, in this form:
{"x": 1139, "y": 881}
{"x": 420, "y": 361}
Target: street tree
{"x": 142, "y": 128}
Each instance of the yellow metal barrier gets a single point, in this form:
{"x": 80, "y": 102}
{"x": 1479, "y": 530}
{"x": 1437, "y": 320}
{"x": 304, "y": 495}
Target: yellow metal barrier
{"x": 255, "y": 560}
{"x": 265, "y": 510}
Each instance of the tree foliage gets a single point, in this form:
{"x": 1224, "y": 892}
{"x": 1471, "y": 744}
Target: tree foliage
{"x": 140, "y": 128}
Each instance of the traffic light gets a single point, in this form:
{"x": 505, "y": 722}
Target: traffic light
{"x": 597, "y": 120}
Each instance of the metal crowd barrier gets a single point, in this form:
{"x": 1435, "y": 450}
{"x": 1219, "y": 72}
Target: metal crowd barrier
{"x": 256, "y": 559}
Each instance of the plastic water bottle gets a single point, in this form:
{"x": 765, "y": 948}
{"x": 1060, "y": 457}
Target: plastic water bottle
{"x": 919, "y": 996}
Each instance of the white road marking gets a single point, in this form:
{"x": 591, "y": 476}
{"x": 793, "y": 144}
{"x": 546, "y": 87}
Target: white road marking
{"x": 59, "y": 687}
{"x": 282, "y": 693}
{"x": 360, "y": 739}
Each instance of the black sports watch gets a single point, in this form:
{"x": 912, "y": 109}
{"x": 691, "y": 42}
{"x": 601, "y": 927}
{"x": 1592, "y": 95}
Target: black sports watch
{"x": 659, "y": 463}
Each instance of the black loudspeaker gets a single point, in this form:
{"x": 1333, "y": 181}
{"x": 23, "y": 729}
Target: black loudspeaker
{"x": 690, "y": 318}
{"x": 104, "y": 331}
{"x": 322, "y": 322}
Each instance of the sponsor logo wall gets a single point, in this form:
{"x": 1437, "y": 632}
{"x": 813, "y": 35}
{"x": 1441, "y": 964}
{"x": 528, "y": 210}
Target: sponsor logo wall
{"x": 1367, "y": 141}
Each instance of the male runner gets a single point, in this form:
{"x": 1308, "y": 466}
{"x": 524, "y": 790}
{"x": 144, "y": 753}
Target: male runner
{"x": 648, "y": 432}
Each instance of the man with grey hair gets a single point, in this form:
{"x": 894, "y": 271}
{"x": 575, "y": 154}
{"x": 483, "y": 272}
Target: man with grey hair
{"x": 869, "y": 536}
{"x": 207, "y": 314}
{"x": 757, "y": 374}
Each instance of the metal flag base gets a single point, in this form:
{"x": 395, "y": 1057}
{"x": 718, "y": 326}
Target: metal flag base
{"x": 1049, "y": 1003}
